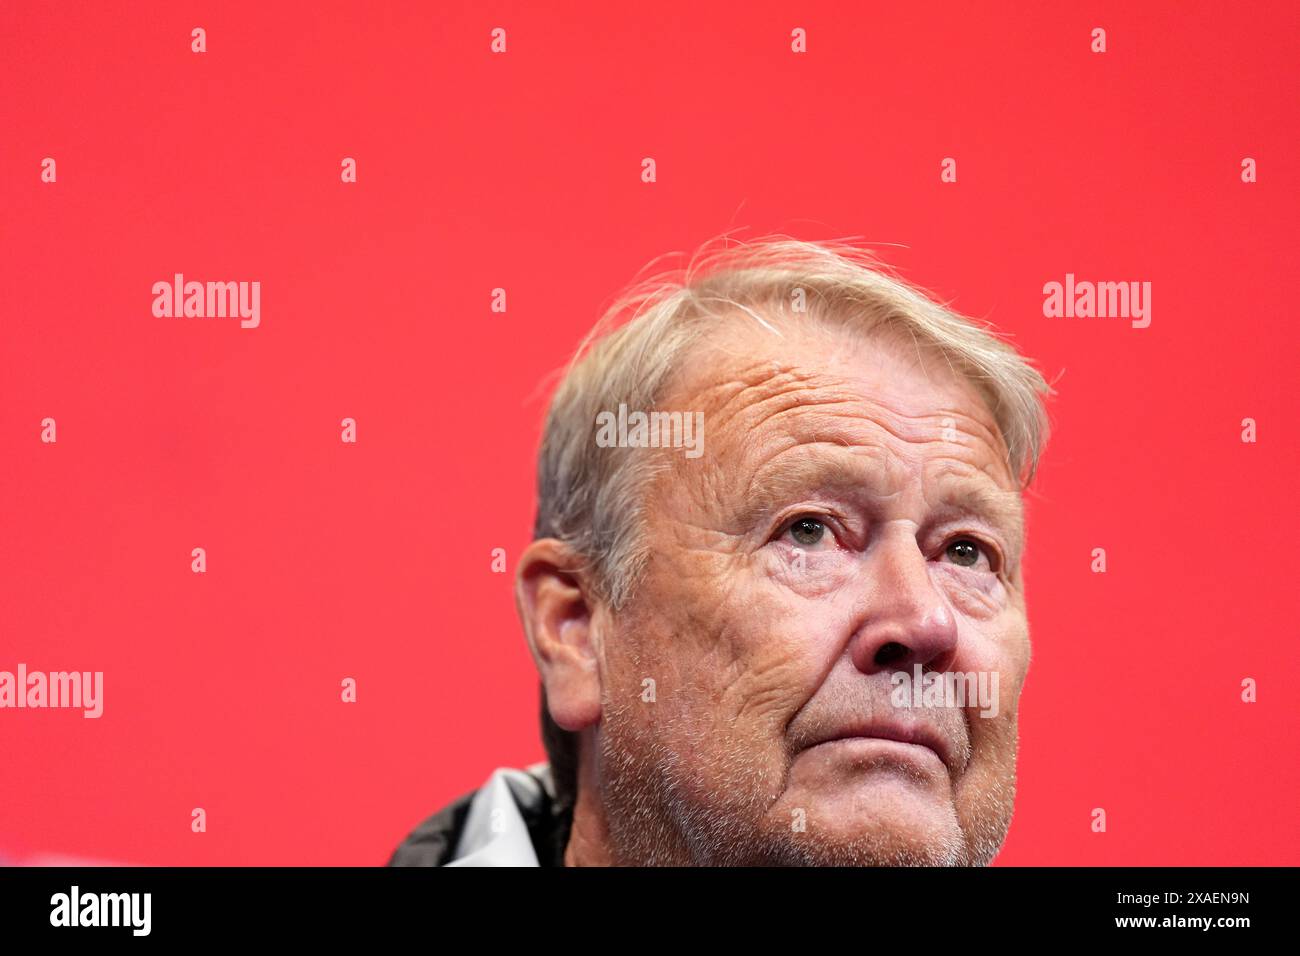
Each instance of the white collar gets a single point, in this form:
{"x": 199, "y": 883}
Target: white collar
{"x": 495, "y": 833}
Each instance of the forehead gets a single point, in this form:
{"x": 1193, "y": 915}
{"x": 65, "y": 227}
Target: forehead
{"x": 873, "y": 406}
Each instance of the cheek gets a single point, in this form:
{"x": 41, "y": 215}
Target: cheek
{"x": 745, "y": 655}
{"x": 993, "y": 634}
{"x": 778, "y": 650}
{"x": 977, "y": 595}
{"x": 996, "y": 650}
{"x": 806, "y": 574}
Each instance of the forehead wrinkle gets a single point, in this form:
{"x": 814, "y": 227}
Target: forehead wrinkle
{"x": 848, "y": 420}
{"x": 769, "y": 399}
{"x": 784, "y": 474}
{"x": 789, "y": 386}
{"x": 832, "y": 415}
{"x": 747, "y": 412}
{"x": 754, "y": 387}
{"x": 980, "y": 429}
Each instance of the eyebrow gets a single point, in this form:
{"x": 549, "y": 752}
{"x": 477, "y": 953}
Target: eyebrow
{"x": 981, "y": 497}
{"x": 776, "y": 483}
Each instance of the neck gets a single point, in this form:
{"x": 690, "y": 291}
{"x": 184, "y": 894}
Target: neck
{"x": 589, "y": 838}
{"x": 589, "y": 843}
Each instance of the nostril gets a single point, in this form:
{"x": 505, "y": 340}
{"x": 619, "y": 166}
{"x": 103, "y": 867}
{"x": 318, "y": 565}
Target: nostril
{"x": 890, "y": 653}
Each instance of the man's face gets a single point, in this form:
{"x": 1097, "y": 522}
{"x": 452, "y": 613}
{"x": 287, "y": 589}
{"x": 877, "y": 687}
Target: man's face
{"x": 852, "y": 516}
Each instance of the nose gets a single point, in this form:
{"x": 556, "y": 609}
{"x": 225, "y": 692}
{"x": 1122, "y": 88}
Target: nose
{"x": 907, "y": 620}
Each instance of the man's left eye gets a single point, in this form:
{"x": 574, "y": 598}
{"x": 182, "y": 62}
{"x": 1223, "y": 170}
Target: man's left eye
{"x": 966, "y": 552}
{"x": 807, "y": 532}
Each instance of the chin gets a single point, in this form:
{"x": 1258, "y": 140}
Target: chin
{"x": 869, "y": 826}
{"x": 881, "y": 847}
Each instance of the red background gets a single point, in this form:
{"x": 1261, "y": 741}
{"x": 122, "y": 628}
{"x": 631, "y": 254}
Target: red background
{"x": 328, "y": 560}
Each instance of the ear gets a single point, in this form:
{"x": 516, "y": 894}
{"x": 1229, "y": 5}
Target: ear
{"x": 556, "y": 605}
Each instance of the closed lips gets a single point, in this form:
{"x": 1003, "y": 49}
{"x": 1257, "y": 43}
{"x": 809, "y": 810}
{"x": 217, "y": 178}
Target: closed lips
{"x": 919, "y": 734}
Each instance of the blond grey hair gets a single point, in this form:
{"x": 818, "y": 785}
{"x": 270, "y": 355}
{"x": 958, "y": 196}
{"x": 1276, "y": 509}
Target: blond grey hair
{"x": 592, "y": 497}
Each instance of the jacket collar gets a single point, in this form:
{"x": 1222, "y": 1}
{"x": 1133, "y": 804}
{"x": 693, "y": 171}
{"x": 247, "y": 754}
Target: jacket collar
{"x": 513, "y": 819}
{"x": 495, "y": 832}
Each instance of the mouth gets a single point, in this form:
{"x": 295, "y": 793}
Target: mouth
{"x": 915, "y": 735}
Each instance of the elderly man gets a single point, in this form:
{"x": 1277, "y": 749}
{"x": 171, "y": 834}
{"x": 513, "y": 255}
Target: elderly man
{"x": 775, "y": 593}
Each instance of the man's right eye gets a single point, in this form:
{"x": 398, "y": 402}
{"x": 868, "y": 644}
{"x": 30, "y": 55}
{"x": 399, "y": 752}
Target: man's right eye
{"x": 806, "y": 532}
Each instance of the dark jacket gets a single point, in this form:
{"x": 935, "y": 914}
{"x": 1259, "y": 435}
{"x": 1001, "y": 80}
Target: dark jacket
{"x": 512, "y": 820}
